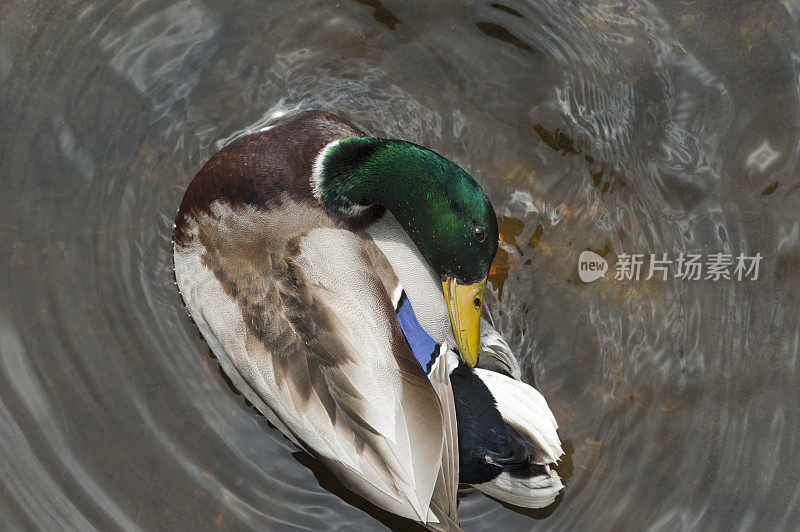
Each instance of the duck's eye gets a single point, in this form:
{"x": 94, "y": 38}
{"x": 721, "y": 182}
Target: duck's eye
{"x": 477, "y": 302}
{"x": 479, "y": 233}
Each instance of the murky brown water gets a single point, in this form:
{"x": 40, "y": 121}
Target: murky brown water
{"x": 613, "y": 126}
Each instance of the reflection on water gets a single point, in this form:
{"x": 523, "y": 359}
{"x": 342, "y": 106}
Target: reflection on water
{"x": 617, "y": 127}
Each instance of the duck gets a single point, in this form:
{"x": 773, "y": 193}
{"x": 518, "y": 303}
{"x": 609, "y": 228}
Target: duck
{"x": 289, "y": 248}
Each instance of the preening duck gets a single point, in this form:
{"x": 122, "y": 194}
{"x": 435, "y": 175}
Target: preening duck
{"x": 288, "y": 247}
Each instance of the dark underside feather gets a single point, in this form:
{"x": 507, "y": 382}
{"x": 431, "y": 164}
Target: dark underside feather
{"x": 487, "y": 445}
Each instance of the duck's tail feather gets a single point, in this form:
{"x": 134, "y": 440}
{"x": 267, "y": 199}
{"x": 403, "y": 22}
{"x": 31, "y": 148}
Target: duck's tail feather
{"x": 525, "y": 411}
{"x": 528, "y": 492}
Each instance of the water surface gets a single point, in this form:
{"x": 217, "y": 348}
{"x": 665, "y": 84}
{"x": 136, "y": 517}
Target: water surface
{"x": 613, "y": 126}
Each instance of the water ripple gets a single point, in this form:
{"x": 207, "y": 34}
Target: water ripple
{"x": 620, "y": 127}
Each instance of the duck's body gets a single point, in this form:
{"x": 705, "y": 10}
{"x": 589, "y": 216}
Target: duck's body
{"x": 290, "y": 247}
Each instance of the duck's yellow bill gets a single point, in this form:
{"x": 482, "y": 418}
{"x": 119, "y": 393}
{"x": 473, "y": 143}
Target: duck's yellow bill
{"x": 464, "y": 302}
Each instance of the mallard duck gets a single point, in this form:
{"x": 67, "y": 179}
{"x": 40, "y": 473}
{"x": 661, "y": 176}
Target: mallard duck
{"x": 287, "y": 252}
{"x": 292, "y": 248}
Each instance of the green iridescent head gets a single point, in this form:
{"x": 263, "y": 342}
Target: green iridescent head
{"x": 443, "y": 210}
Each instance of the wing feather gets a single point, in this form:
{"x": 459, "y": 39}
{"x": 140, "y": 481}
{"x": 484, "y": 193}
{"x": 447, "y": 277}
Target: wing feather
{"x": 446, "y": 492}
{"x": 290, "y": 305}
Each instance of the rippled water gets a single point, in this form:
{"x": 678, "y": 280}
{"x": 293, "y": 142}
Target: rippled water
{"x": 613, "y": 126}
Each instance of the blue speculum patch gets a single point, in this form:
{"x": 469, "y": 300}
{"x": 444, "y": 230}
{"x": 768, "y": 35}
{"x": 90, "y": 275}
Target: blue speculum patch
{"x": 422, "y": 345}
